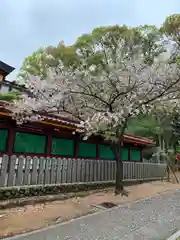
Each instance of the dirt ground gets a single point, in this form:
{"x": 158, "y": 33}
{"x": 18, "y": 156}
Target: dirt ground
{"x": 27, "y": 218}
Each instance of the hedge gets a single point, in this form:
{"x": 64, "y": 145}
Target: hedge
{"x": 41, "y": 190}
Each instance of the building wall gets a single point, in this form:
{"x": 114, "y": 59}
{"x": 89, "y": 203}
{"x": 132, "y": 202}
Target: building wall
{"x": 48, "y": 142}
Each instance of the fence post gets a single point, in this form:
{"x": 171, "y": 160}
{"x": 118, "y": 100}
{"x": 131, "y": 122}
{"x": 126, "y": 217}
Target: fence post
{"x": 3, "y": 170}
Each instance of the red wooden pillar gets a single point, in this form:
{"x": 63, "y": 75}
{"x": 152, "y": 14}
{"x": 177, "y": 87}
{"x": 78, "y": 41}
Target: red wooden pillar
{"x": 129, "y": 154}
{"x": 141, "y": 152}
{"x": 11, "y": 138}
{"x": 48, "y": 145}
{"x": 76, "y": 148}
{"x": 98, "y": 151}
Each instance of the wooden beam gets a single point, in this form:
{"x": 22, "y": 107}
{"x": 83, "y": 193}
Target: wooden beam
{"x": 45, "y": 122}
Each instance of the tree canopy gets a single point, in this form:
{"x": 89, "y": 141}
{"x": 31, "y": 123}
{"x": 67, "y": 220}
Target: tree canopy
{"x": 91, "y": 49}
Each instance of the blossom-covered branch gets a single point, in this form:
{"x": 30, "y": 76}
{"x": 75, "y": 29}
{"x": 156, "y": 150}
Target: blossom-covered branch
{"x": 102, "y": 102}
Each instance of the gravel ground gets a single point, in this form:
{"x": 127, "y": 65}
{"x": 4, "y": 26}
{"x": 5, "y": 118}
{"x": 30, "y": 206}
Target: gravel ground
{"x": 155, "y": 218}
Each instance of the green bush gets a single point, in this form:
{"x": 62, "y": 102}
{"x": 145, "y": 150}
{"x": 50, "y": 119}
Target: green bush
{"x": 30, "y": 191}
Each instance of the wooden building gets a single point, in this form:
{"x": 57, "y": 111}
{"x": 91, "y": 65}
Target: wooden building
{"x": 5, "y": 85}
{"x": 54, "y": 137}
{"x": 5, "y": 70}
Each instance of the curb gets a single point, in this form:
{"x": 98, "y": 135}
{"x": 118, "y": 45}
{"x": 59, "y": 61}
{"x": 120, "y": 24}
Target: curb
{"x": 175, "y": 236}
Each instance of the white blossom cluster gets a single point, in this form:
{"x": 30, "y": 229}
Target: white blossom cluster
{"x": 102, "y": 101}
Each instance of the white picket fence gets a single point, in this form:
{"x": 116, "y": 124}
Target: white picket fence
{"x": 34, "y": 171}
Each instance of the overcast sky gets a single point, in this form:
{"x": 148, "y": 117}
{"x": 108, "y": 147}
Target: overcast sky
{"x": 27, "y": 25}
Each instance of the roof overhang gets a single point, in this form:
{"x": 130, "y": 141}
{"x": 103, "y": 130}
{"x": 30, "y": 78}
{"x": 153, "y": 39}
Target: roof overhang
{"x": 5, "y": 68}
{"x": 66, "y": 123}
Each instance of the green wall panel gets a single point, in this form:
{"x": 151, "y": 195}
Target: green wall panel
{"x": 87, "y": 150}
{"x": 29, "y": 143}
{"x": 3, "y": 139}
{"x": 125, "y": 154}
{"x": 106, "y": 152}
{"x": 63, "y": 147}
{"x": 135, "y": 155}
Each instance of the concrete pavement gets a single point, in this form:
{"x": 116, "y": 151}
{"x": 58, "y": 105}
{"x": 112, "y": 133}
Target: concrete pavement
{"x": 155, "y": 218}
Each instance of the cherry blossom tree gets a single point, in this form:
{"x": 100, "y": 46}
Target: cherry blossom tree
{"x": 103, "y": 102}
{"x": 116, "y": 76}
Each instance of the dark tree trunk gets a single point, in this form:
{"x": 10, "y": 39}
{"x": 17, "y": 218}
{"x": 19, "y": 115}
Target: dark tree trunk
{"x": 119, "y": 188}
{"x": 117, "y": 149}
{"x": 119, "y": 185}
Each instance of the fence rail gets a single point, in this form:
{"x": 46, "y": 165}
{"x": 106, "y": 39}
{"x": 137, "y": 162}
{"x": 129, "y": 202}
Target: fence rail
{"x": 34, "y": 171}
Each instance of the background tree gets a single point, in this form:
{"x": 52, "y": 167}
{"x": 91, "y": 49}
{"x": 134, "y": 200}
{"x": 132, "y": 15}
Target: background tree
{"x": 144, "y": 126}
{"x": 9, "y": 97}
{"x": 163, "y": 125}
{"x": 147, "y": 125}
{"x": 152, "y": 42}
{"x": 34, "y": 65}
{"x": 171, "y": 29}
{"x": 42, "y": 60}
{"x": 93, "y": 49}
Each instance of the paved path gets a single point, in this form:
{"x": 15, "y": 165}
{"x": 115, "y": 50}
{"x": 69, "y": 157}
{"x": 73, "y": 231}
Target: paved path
{"x": 153, "y": 219}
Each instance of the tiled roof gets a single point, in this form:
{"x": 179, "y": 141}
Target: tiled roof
{"x": 140, "y": 140}
{"x": 7, "y": 69}
{"x": 54, "y": 119}
{"x": 62, "y": 120}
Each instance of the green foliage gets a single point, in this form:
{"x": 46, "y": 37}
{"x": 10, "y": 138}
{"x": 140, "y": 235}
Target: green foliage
{"x": 176, "y": 129}
{"x": 62, "y": 55}
{"x": 34, "y": 65}
{"x": 96, "y": 47}
{"x": 10, "y": 96}
{"x": 104, "y": 45}
{"x": 165, "y": 128}
{"x": 171, "y": 27}
{"x": 152, "y": 42}
{"x": 50, "y": 57}
{"x": 145, "y": 126}
{"x": 30, "y": 191}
